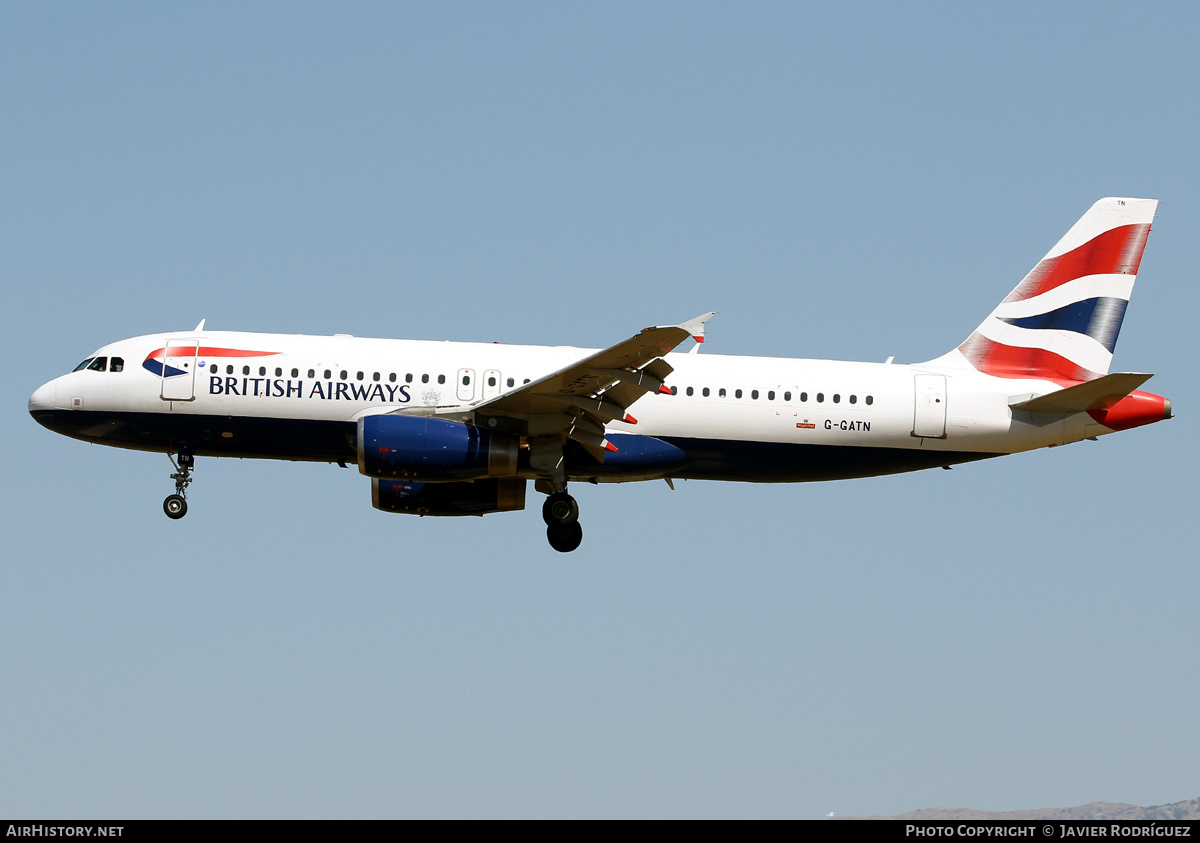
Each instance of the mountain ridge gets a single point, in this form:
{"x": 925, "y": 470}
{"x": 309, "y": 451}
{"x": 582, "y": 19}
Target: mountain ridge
{"x": 1188, "y": 809}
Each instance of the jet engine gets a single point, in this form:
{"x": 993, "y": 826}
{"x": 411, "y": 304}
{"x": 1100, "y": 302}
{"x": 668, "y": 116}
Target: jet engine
{"x": 477, "y": 497}
{"x": 432, "y": 450}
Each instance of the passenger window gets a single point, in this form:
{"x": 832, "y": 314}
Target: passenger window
{"x": 375, "y": 376}
{"x": 721, "y": 392}
{"x": 441, "y": 378}
{"x": 510, "y": 382}
{"x": 674, "y": 390}
{"x": 737, "y": 393}
{"x": 328, "y": 374}
{"x": 229, "y": 370}
{"x": 491, "y": 381}
{"x": 99, "y": 364}
{"x": 117, "y": 365}
{"x": 836, "y": 398}
{"x": 803, "y": 397}
{"x": 870, "y": 400}
{"x": 771, "y": 395}
{"x": 359, "y": 376}
{"x": 295, "y": 373}
{"x": 245, "y": 370}
{"x": 424, "y": 378}
{"x": 754, "y": 394}
{"x": 278, "y": 372}
{"x": 787, "y": 396}
{"x": 262, "y": 370}
{"x": 408, "y": 378}
{"x": 344, "y": 374}
{"x": 689, "y": 390}
{"x": 706, "y": 392}
{"x": 392, "y": 377}
{"x": 820, "y": 397}
{"x": 853, "y": 399}
{"x": 525, "y": 381}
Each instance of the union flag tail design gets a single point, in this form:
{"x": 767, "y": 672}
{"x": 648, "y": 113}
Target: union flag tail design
{"x": 1061, "y": 322}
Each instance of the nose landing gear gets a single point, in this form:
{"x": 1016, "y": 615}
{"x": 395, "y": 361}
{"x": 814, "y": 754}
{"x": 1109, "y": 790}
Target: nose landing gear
{"x": 175, "y": 506}
{"x": 561, "y": 514}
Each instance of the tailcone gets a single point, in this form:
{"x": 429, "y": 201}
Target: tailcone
{"x": 1134, "y": 410}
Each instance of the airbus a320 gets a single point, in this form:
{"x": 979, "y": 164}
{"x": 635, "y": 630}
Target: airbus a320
{"x": 448, "y": 428}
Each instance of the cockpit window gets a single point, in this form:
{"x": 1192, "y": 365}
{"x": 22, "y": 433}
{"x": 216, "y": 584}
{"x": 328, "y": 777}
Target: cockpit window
{"x": 100, "y": 364}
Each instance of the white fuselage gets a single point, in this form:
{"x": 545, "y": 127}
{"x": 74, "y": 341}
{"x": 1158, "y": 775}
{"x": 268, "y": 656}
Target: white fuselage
{"x": 227, "y": 405}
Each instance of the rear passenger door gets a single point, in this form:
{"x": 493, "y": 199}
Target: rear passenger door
{"x": 929, "y": 411}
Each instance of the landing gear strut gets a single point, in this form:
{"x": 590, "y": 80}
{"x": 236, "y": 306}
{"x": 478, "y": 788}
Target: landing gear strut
{"x": 561, "y": 514}
{"x": 176, "y": 505}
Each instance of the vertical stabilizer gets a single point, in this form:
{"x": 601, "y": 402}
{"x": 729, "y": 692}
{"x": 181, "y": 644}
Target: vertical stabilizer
{"x": 1061, "y": 322}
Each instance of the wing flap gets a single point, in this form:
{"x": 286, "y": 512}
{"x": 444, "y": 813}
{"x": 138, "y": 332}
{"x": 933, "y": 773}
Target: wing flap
{"x": 604, "y": 384}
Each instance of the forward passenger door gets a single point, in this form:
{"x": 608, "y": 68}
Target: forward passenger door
{"x": 179, "y": 370}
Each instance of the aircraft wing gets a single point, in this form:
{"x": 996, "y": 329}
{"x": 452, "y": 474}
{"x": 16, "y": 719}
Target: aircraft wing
{"x": 579, "y": 399}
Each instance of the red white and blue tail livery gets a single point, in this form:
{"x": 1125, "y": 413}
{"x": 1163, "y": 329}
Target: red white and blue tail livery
{"x": 1061, "y": 322}
{"x": 444, "y": 428}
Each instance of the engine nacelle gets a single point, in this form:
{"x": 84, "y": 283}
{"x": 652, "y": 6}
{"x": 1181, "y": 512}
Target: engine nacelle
{"x": 477, "y": 497}
{"x": 432, "y": 450}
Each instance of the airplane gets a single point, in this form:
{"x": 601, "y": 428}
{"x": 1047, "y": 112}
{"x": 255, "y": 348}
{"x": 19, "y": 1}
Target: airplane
{"x": 453, "y": 428}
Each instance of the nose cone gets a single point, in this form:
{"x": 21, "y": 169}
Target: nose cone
{"x": 44, "y": 397}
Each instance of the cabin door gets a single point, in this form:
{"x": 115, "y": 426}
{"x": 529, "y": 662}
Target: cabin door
{"x": 929, "y": 415}
{"x": 179, "y": 370}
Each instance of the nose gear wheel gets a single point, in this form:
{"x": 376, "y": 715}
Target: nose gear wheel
{"x": 175, "y": 506}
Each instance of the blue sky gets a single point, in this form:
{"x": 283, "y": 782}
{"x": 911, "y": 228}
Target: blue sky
{"x": 848, "y": 181}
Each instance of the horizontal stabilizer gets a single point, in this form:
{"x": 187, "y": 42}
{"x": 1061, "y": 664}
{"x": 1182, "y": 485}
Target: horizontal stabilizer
{"x": 1097, "y": 394}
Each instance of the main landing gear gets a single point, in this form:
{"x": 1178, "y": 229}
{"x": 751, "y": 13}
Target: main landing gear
{"x": 176, "y": 505}
{"x": 561, "y": 514}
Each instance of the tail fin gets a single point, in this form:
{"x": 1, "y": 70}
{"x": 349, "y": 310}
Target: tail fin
{"x": 1061, "y": 322}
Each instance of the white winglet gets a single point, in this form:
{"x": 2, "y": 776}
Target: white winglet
{"x": 695, "y": 327}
